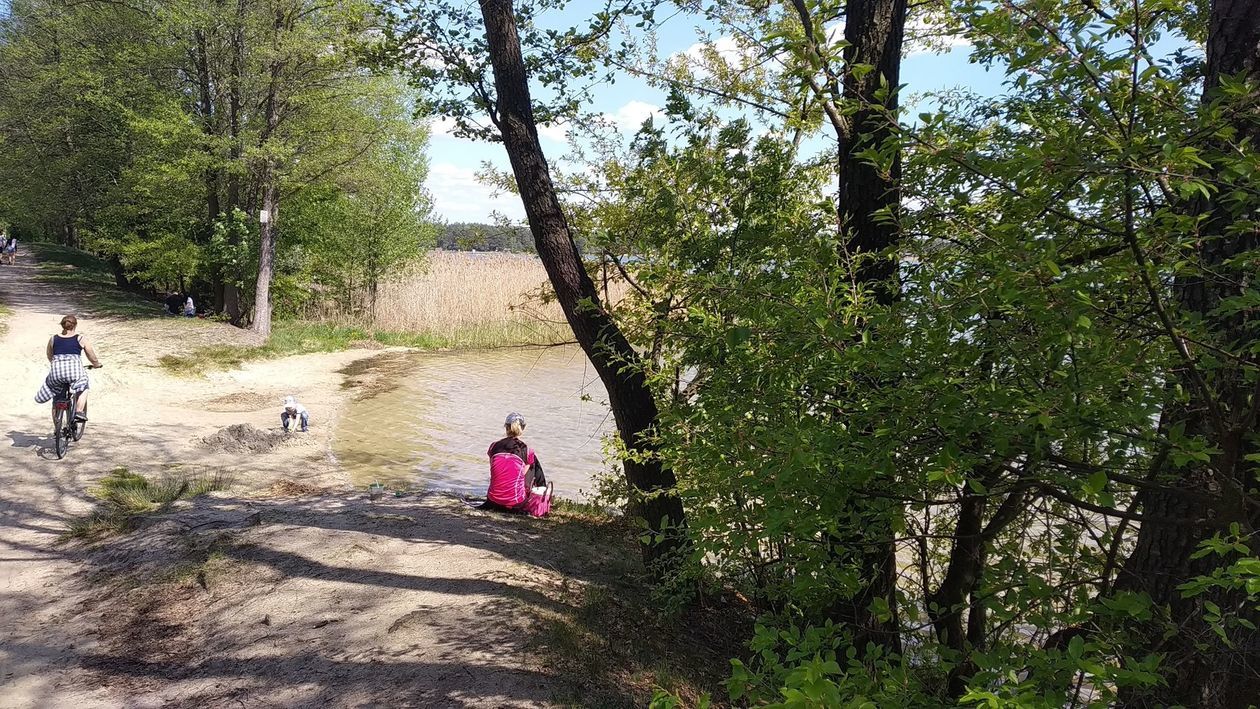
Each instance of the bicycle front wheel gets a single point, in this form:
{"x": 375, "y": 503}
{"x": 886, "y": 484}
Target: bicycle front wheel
{"x": 59, "y": 433}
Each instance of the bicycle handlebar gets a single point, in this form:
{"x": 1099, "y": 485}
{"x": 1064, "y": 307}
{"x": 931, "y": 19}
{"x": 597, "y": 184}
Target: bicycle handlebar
{"x": 95, "y": 366}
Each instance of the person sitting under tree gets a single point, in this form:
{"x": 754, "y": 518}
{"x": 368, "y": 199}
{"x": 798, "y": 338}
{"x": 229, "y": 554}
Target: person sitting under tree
{"x": 514, "y": 469}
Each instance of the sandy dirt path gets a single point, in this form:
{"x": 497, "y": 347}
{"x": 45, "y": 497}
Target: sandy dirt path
{"x": 324, "y": 600}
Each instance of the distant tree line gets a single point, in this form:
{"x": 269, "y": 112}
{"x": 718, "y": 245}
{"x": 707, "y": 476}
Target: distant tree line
{"x": 479, "y": 236}
{"x": 476, "y": 236}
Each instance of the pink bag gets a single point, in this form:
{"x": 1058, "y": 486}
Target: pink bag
{"x": 538, "y": 505}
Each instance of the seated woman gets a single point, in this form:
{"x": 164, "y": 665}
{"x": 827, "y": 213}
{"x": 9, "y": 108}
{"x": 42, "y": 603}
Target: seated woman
{"x": 514, "y": 469}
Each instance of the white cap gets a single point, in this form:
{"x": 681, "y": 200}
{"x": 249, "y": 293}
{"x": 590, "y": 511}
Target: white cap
{"x": 290, "y": 402}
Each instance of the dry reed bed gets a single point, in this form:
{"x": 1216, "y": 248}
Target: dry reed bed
{"x": 476, "y": 300}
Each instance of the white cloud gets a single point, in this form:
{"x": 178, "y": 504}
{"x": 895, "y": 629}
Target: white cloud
{"x": 442, "y": 127}
{"x": 728, "y": 49}
{"x": 459, "y": 197}
{"x": 554, "y": 131}
{"x": 630, "y": 117}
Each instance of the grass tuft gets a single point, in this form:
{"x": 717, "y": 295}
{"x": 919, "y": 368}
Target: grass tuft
{"x": 125, "y": 496}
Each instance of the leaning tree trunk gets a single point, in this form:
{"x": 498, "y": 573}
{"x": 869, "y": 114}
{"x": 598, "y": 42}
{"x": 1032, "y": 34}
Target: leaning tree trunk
{"x": 1199, "y": 669}
{"x": 632, "y": 404}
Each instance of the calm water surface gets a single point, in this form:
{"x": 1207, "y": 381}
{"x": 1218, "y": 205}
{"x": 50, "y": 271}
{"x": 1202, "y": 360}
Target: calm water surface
{"x": 431, "y": 426}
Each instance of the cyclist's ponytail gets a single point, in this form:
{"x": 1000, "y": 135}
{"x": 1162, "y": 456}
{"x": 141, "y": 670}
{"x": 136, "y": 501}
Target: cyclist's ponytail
{"x": 68, "y": 323}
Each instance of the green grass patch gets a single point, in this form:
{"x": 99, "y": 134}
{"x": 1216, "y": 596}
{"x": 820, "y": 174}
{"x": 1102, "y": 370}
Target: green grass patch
{"x": 89, "y": 277}
{"x": 293, "y": 337}
{"x": 288, "y": 337}
{"x": 124, "y": 496}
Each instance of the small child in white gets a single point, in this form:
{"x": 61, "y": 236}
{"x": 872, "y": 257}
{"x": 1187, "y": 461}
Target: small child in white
{"x": 293, "y": 411}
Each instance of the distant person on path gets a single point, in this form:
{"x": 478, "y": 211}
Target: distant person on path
{"x": 293, "y": 411}
{"x": 66, "y": 365}
{"x": 190, "y": 308}
{"x": 10, "y": 250}
{"x": 174, "y": 303}
{"x": 514, "y": 469}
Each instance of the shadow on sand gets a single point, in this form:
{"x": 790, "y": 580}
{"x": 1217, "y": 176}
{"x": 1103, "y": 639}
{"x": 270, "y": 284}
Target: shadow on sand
{"x": 417, "y": 601}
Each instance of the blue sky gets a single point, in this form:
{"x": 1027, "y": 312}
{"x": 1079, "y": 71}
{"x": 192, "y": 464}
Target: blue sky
{"x": 454, "y": 162}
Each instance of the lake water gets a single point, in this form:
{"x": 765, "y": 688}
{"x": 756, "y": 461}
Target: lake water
{"x": 430, "y": 426}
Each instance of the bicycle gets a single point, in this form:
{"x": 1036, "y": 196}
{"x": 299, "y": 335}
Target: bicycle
{"x": 66, "y": 427}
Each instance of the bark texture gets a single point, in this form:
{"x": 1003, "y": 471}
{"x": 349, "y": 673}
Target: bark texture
{"x": 631, "y": 401}
{"x": 1199, "y": 670}
{"x": 869, "y": 194}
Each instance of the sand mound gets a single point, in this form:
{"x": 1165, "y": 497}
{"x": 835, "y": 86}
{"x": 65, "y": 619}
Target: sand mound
{"x": 242, "y": 401}
{"x": 293, "y": 488}
{"x": 245, "y": 438}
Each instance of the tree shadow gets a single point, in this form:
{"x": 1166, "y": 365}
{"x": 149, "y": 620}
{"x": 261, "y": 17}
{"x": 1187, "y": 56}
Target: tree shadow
{"x": 330, "y": 600}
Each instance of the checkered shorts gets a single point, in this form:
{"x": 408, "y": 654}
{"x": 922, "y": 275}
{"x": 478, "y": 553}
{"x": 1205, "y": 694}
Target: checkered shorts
{"x": 66, "y": 370}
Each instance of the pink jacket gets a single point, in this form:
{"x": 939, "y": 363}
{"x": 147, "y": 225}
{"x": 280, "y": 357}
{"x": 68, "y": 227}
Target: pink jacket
{"x": 507, "y": 478}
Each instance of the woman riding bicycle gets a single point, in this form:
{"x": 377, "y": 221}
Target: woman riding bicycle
{"x": 66, "y": 365}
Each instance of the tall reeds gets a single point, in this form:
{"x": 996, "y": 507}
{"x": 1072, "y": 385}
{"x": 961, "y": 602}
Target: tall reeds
{"x": 462, "y": 299}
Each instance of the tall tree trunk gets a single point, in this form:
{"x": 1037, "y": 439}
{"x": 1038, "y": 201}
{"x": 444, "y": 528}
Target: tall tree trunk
{"x": 71, "y": 233}
{"x": 618, "y": 364}
{"x": 210, "y": 126}
{"x": 868, "y": 195}
{"x": 1199, "y": 669}
{"x": 236, "y": 84}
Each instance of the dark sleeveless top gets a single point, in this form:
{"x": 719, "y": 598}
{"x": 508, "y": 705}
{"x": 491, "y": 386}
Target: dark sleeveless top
{"x": 66, "y": 345}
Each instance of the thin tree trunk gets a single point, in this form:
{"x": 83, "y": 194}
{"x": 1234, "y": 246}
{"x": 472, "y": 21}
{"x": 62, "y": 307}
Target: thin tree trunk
{"x": 266, "y": 257}
{"x": 236, "y": 84}
{"x": 205, "y": 104}
{"x": 231, "y": 292}
{"x": 210, "y": 127}
{"x": 1200, "y": 670}
{"x": 870, "y": 196}
{"x": 618, "y": 364}
{"x": 269, "y": 188}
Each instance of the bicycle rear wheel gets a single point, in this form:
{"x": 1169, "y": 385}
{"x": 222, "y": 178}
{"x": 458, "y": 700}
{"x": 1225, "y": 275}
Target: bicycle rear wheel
{"x": 59, "y": 433}
{"x": 77, "y": 425}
